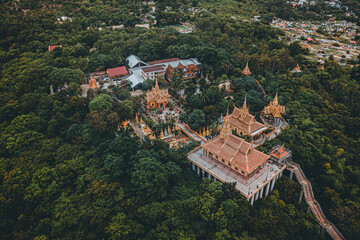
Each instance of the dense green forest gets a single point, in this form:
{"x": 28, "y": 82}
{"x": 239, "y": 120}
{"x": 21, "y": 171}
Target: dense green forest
{"x": 67, "y": 172}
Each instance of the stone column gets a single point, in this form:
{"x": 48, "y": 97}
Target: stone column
{"x": 203, "y": 173}
{"x": 215, "y": 179}
{"x": 198, "y": 170}
{"x": 267, "y": 189}
{"x": 209, "y": 176}
{"x": 291, "y": 175}
{"x": 193, "y": 166}
{"x": 252, "y": 200}
{"x": 261, "y": 192}
{"x": 257, "y": 195}
{"x": 273, "y": 184}
{"x": 301, "y": 194}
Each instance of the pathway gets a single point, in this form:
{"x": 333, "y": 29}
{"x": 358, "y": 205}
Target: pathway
{"x": 136, "y": 129}
{"x": 313, "y": 204}
{"x": 191, "y": 134}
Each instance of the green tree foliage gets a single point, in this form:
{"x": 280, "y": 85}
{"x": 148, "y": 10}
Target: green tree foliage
{"x": 66, "y": 172}
{"x": 101, "y": 102}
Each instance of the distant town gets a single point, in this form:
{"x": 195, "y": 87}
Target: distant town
{"x": 323, "y": 39}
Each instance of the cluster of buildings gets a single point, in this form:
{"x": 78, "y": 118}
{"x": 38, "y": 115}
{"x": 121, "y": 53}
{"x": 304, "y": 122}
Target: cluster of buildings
{"x": 231, "y": 159}
{"x": 140, "y": 71}
{"x": 338, "y": 40}
{"x": 227, "y": 157}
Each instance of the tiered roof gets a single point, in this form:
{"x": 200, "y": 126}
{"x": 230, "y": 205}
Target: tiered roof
{"x": 280, "y": 152}
{"x": 242, "y": 119}
{"x": 187, "y": 70}
{"x": 235, "y": 150}
{"x": 156, "y": 94}
{"x": 274, "y": 108}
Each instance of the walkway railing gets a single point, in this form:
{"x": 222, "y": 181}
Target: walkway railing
{"x": 313, "y": 204}
{"x": 191, "y": 133}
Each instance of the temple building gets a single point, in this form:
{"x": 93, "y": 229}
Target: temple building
{"x": 246, "y": 70}
{"x": 188, "y": 72}
{"x": 229, "y": 158}
{"x": 296, "y": 69}
{"x": 157, "y": 98}
{"x": 243, "y": 123}
{"x": 274, "y": 111}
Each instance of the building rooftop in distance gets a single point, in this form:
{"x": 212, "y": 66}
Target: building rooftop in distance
{"x": 163, "y": 61}
{"x": 153, "y": 68}
{"x": 118, "y": 71}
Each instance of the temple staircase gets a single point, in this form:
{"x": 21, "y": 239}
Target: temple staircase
{"x": 191, "y": 134}
{"x": 310, "y": 200}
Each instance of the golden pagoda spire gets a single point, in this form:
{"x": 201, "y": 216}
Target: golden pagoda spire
{"x": 246, "y": 70}
{"x": 157, "y": 89}
{"x": 152, "y": 137}
{"x": 177, "y": 127}
{"x": 203, "y": 132}
{"x": 169, "y": 130}
{"x": 275, "y": 101}
{"x": 207, "y": 131}
{"x": 92, "y": 83}
{"x": 245, "y": 105}
{"x": 162, "y": 134}
{"x": 218, "y": 127}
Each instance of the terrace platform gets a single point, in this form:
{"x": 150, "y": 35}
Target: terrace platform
{"x": 248, "y": 188}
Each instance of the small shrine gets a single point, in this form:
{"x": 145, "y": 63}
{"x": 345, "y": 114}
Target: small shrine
{"x": 157, "y": 98}
{"x": 296, "y": 69}
{"x": 246, "y": 70}
{"x": 274, "y": 110}
{"x": 92, "y": 83}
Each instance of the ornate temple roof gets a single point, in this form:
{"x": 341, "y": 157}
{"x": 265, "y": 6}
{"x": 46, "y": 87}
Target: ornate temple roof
{"x": 187, "y": 70}
{"x": 235, "y": 150}
{"x": 242, "y": 119}
{"x": 274, "y": 108}
{"x": 156, "y": 94}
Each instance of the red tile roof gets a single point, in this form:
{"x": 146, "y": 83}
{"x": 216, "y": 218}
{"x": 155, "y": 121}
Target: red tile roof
{"x": 163, "y": 61}
{"x": 153, "y": 69}
{"x": 118, "y": 71}
{"x": 53, "y": 47}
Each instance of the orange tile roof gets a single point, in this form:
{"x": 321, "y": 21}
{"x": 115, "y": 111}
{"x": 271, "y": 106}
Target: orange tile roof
{"x": 242, "y": 119}
{"x": 236, "y": 151}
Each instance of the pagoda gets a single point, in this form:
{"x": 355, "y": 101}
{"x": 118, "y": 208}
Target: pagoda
{"x": 274, "y": 110}
{"x": 246, "y": 70}
{"x": 92, "y": 83}
{"x": 235, "y": 152}
{"x": 157, "y": 98}
{"x": 229, "y": 158}
{"x": 243, "y": 123}
{"x": 296, "y": 69}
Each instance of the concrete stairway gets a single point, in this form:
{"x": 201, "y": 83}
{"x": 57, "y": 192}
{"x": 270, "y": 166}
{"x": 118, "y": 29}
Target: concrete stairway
{"x": 313, "y": 204}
